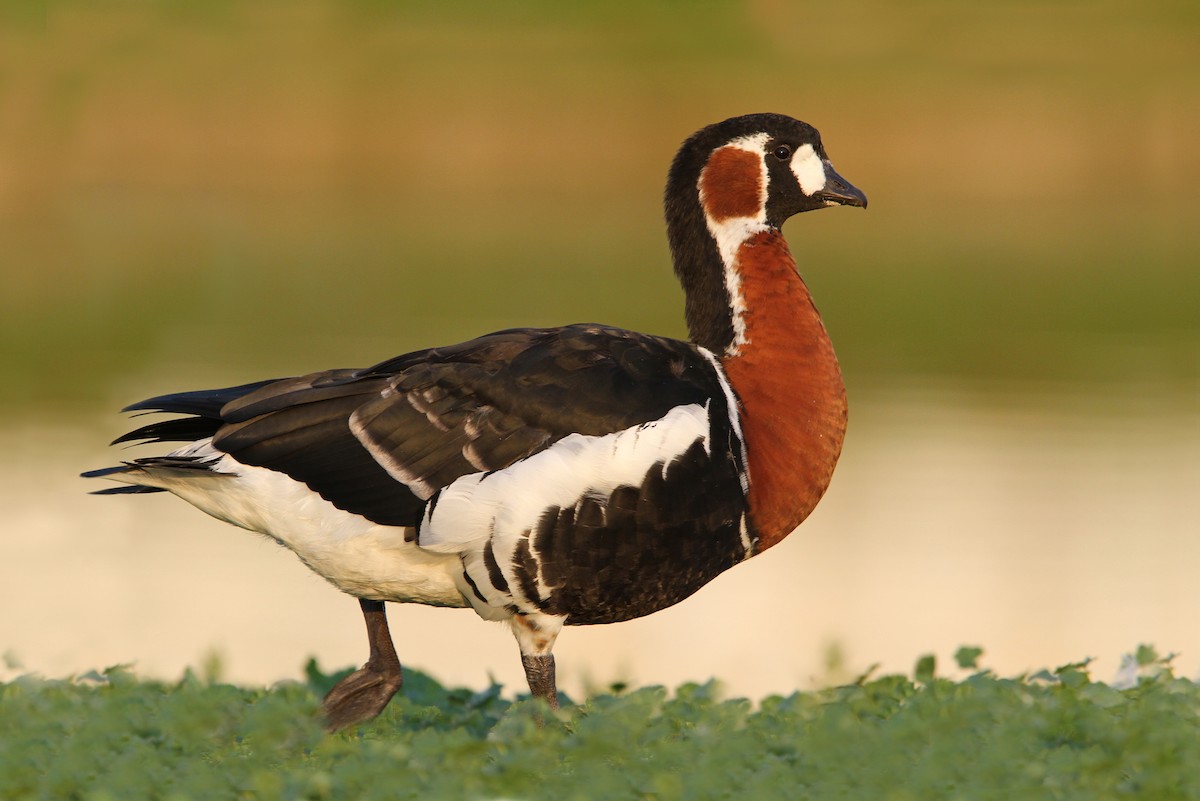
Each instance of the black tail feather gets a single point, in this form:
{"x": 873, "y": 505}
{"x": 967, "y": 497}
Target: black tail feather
{"x": 189, "y": 463}
{"x": 182, "y": 429}
{"x": 106, "y": 471}
{"x": 125, "y": 489}
{"x": 128, "y": 489}
{"x": 204, "y": 420}
{"x": 203, "y": 465}
{"x": 202, "y": 403}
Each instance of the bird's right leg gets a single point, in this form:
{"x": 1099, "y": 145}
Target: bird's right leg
{"x": 536, "y": 636}
{"x": 364, "y": 693}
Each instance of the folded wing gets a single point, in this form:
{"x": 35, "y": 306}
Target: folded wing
{"x": 380, "y": 442}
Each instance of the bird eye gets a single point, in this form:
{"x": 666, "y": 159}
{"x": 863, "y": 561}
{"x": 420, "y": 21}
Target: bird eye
{"x": 783, "y": 152}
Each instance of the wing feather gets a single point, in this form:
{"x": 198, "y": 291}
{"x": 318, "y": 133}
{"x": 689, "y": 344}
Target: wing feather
{"x": 381, "y": 441}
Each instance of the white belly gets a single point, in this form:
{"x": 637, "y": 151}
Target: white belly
{"x": 357, "y": 556}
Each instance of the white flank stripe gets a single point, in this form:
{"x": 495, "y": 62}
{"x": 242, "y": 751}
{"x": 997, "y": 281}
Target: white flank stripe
{"x": 735, "y": 414}
{"x": 809, "y": 170}
{"x": 505, "y": 505}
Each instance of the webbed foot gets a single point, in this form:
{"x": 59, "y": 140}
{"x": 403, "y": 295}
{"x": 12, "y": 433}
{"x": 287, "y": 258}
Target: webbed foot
{"x": 362, "y": 695}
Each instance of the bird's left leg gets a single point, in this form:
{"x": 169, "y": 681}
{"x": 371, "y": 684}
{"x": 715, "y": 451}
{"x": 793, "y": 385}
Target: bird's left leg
{"x": 535, "y": 636}
{"x": 364, "y": 693}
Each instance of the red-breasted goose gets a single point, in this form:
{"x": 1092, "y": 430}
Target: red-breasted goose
{"x": 551, "y": 476}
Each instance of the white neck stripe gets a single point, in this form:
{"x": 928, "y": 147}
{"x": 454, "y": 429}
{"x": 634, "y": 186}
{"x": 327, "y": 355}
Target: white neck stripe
{"x": 732, "y": 232}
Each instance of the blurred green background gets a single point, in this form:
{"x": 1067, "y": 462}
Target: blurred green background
{"x": 200, "y": 193}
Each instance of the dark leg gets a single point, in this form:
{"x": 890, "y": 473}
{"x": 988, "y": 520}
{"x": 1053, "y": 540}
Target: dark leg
{"x": 364, "y": 693}
{"x": 535, "y": 635}
{"x": 539, "y": 672}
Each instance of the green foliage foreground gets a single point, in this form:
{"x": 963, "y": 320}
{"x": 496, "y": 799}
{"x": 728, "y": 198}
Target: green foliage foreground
{"x": 1057, "y": 735}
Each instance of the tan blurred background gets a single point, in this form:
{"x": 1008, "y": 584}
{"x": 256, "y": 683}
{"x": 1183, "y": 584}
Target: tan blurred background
{"x": 195, "y": 197}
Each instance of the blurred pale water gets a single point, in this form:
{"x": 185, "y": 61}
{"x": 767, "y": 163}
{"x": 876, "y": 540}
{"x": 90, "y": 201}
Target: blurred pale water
{"x": 1045, "y": 538}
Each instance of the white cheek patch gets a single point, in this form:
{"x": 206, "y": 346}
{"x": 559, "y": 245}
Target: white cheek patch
{"x": 809, "y": 170}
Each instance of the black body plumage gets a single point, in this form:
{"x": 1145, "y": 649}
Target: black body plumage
{"x": 381, "y": 442}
